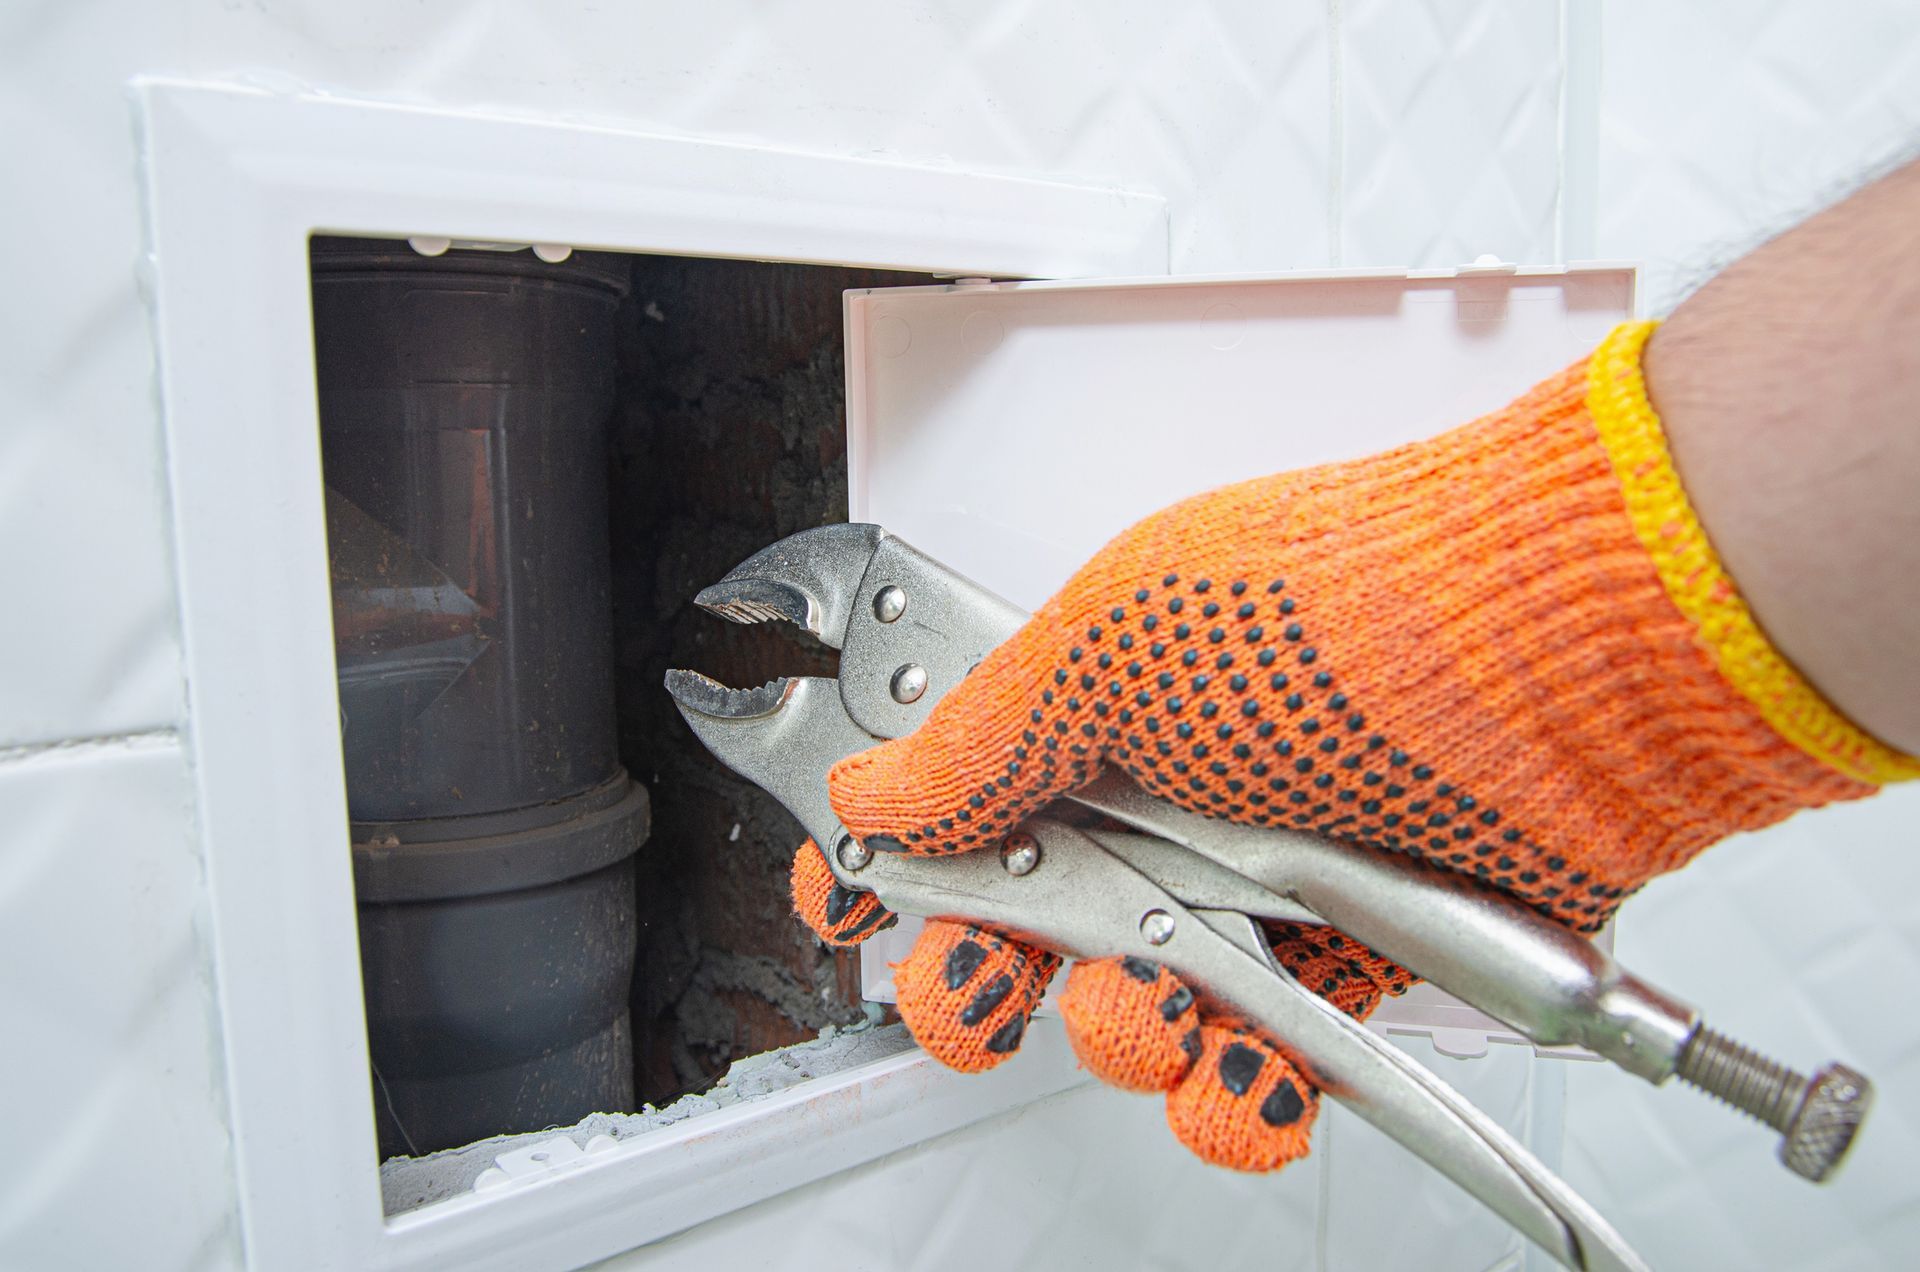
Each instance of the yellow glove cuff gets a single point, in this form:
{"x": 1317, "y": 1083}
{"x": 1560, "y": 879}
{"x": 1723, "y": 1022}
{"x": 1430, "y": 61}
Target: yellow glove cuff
{"x": 1693, "y": 576}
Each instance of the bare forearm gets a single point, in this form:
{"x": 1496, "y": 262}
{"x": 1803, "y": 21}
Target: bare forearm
{"x": 1788, "y": 387}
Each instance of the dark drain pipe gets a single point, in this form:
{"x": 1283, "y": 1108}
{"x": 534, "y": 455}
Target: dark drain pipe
{"x": 463, "y": 405}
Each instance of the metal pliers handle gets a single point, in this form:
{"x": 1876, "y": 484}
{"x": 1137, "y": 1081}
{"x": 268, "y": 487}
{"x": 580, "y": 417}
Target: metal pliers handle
{"x": 1097, "y": 895}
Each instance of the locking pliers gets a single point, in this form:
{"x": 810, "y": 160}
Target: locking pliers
{"x": 1189, "y": 892}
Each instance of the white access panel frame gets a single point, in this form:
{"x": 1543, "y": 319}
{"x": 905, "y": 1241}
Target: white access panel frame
{"x": 237, "y": 179}
{"x": 971, "y": 408}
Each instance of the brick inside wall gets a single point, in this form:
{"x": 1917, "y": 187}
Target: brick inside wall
{"x": 730, "y": 432}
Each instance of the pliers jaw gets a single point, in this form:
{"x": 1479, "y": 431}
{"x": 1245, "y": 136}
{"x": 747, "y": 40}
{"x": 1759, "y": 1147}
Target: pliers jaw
{"x": 783, "y": 736}
{"x": 907, "y": 628}
{"x": 786, "y": 734}
{"x": 808, "y": 579}
{"x": 703, "y": 695}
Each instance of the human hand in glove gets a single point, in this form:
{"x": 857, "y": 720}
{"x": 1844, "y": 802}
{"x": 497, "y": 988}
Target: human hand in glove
{"x": 1509, "y": 650}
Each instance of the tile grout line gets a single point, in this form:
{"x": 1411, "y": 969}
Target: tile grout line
{"x": 106, "y": 743}
{"x": 1562, "y": 125}
{"x": 1577, "y": 196}
{"x": 1336, "y": 136}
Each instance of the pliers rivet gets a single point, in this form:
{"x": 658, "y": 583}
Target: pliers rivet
{"x": 1157, "y": 927}
{"x": 909, "y": 682}
{"x": 1020, "y": 854}
{"x": 889, "y": 603}
{"x": 852, "y": 854}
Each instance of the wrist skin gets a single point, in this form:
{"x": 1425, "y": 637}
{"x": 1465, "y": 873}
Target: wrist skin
{"x": 1787, "y": 391}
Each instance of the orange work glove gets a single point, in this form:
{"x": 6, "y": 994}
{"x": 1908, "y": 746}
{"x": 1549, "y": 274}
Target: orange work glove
{"x": 1509, "y": 650}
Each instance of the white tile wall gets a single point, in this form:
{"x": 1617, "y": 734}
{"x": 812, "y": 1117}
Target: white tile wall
{"x": 111, "y": 1113}
{"x": 1723, "y": 122}
{"x": 1082, "y": 1180}
{"x": 1091, "y": 1179}
{"x": 1282, "y": 136}
{"x": 1801, "y": 940}
{"x": 87, "y": 626}
{"x": 1185, "y": 100}
{"x": 1387, "y": 1209}
{"x": 1451, "y": 122}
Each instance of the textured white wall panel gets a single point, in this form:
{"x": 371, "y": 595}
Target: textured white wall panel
{"x": 1387, "y": 1209}
{"x": 1087, "y": 1179}
{"x": 1721, "y": 123}
{"x": 116, "y": 1151}
{"x": 1188, "y": 101}
{"x": 1725, "y": 121}
{"x": 88, "y": 626}
{"x": 1093, "y": 1179}
{"x": 1450, "y": 114}
{"x": 1803, "y": 940}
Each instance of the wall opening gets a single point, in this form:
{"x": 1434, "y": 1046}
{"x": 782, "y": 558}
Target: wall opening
{"x": 501, "y": 656}
{"x": 729, "y": 432}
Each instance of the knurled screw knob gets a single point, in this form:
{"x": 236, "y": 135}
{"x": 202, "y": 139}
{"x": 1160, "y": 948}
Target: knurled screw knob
{"x": 1817, "y": 1117}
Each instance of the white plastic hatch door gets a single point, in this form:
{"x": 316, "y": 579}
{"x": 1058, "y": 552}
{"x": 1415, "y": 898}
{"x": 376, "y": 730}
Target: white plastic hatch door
{"x": 1010, "y": 429}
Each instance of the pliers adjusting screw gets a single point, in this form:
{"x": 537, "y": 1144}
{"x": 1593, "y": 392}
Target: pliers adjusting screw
{"x": 1816, "y": 1117}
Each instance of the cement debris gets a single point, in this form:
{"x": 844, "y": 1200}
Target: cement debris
{"x": 408, "y": 1183}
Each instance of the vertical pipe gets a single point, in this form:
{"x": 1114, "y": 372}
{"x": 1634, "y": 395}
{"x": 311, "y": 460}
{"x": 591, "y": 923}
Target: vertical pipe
{"x": 463, "y": 406}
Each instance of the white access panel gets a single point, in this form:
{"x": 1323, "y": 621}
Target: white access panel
{"x": 1011, "y": 429}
